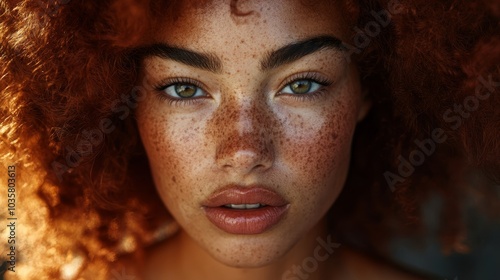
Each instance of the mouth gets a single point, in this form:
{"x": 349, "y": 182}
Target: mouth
{"x": 245, "y": 210}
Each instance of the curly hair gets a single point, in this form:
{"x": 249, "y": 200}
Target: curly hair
{"x": 69, "y": 85}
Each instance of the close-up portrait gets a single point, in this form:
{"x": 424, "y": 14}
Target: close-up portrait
{"x": 250, "y": 139}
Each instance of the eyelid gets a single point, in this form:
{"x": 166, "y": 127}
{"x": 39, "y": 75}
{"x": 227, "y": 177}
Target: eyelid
{"x": 160, "y": 93}
{"x": 313, "y": 76}
{"x": 178, "y": 80}
{"x": 315, "y": 86}
{"x": 166, "y": 83}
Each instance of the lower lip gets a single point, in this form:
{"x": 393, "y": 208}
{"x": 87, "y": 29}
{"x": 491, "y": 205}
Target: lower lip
{"x": 253, "y": 221}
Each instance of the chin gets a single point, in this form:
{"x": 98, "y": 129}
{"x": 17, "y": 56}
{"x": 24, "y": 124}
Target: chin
{"x": 237, "y": 260}
{"x": 250, "y": 251}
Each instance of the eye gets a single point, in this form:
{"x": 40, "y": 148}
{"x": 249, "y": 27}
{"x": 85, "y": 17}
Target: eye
{"x": 183, "y": 91}
{"x": 302, "y": 86}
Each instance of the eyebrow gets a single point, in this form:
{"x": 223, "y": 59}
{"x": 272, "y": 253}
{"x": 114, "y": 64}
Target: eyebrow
{"x": 210, "y": 62}
{"x": 196, "y": 59}
{"x": 295, "y": 51}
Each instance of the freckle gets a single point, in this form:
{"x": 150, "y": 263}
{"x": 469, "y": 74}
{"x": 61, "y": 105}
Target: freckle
{"x": 174, "y": 180}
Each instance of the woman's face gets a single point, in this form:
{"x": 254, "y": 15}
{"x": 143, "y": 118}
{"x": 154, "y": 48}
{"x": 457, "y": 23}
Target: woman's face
{"x": 244, "y": 108}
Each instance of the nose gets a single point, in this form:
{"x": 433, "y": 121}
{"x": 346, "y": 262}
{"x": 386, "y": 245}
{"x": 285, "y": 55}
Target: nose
{"x": 244, "y": 139}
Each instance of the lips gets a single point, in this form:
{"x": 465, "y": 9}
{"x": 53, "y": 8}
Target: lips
{"x": 245, "y": 210}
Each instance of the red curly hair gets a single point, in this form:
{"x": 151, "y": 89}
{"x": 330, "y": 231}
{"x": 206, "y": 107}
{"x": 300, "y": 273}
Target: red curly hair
{"x": 67, "y": 77}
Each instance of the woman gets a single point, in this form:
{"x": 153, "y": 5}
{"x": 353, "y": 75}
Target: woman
{"x": 287, "y": 139}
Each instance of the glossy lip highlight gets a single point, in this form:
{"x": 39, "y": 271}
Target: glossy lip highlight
{"x": 248, "y": 221}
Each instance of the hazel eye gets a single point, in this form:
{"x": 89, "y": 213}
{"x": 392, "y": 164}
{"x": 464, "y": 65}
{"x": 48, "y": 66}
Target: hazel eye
{"x": 303, "y": 86}
{"x": 183, "y": 90}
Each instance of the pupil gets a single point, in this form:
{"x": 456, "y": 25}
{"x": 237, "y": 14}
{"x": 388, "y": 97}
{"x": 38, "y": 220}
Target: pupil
{"x": 301, "y": 86}
{"x": 185, "y": 91}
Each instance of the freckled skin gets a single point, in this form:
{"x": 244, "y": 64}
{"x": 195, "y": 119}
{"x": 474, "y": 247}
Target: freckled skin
{"x": 244, "y": 131}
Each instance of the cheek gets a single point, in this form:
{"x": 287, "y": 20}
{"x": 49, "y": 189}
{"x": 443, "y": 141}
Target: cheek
{"x": 168, "y": 146}
{"x": 318, "y": 147}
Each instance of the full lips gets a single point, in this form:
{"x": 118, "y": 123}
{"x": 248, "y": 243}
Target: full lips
{"x": 249, "y": 221}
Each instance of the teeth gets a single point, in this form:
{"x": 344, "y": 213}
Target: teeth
{"x": 244, "y": 206}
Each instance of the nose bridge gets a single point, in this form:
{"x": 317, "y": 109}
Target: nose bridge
{"x": 243, "y": 138}
{"x": 247, "y": 117}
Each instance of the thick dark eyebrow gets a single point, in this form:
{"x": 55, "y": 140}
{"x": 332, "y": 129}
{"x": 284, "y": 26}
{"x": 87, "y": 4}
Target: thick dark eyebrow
{"x": 283, "y": 55}
{"x": 199, "y": 60}
{"x": 297, "y": 50}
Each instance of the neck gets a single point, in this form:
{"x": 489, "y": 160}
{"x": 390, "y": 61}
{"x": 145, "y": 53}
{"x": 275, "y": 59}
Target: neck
{"x": 181, "y": 258}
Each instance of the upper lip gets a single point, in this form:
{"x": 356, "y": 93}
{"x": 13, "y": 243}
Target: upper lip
{"x": 236, "y": 194}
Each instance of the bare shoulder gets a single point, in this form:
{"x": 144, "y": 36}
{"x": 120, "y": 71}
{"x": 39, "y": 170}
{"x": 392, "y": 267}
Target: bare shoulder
{"x": 362, "y": 266}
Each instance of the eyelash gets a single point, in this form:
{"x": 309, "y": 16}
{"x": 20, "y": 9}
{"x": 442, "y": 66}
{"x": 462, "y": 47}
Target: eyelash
{"x": 312, "y": 76}
{"x": 187, "y": 101}
{"x": 160, "y": 87}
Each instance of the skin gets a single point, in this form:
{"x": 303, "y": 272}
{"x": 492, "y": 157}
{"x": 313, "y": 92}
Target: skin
{"x": 246, "y": 129}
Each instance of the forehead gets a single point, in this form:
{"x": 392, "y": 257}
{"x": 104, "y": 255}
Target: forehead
{"x": 216, "y": 26}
